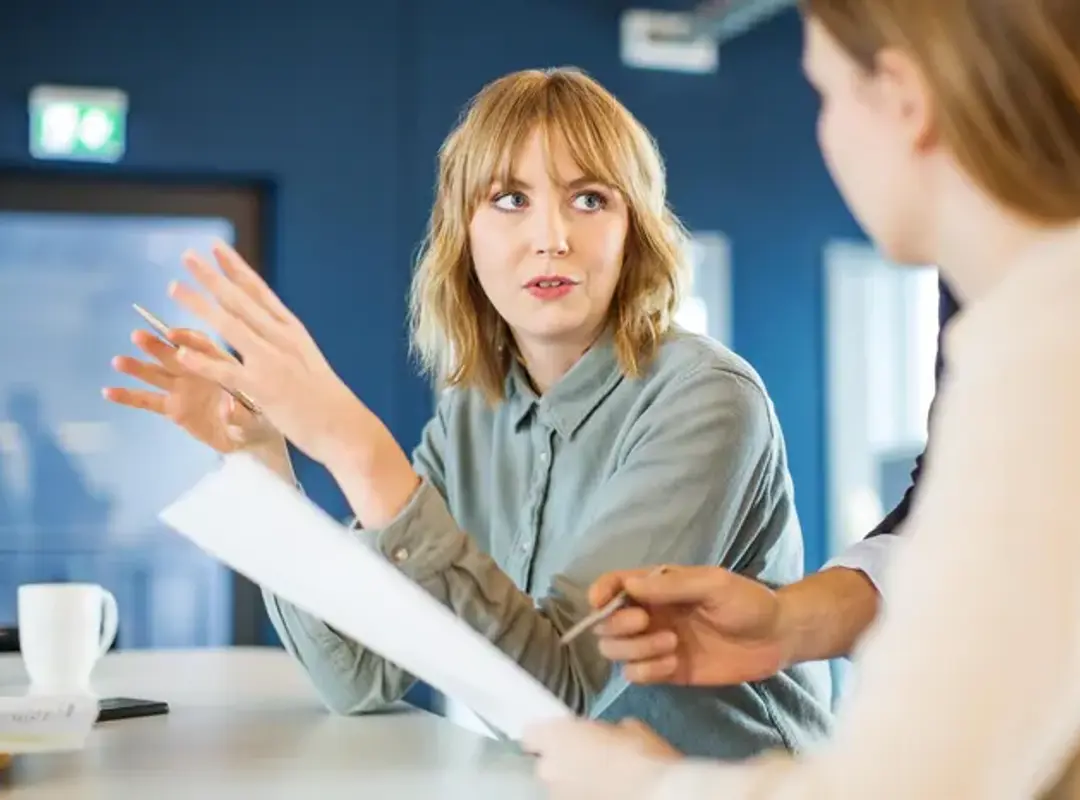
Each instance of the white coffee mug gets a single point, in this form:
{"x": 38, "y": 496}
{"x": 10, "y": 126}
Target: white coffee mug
{"x": 64, "y": 628}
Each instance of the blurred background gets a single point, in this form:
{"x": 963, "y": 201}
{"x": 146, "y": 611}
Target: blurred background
{"x": 306, "y": 134}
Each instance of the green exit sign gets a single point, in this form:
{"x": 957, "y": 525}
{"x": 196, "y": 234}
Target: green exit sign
{"x": 77, "y": 124}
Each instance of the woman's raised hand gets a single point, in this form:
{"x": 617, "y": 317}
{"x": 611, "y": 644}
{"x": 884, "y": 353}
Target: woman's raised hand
{"x": 280, "y": 366}
{"x": 199, "y": 406}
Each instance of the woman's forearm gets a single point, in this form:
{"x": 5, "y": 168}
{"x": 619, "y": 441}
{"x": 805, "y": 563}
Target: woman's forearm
{"x": 274, "y": 454}
{"x": 377, "y": 480}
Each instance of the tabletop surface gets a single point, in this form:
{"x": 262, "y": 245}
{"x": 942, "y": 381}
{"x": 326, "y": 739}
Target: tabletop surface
{"x": 245, "y": 722}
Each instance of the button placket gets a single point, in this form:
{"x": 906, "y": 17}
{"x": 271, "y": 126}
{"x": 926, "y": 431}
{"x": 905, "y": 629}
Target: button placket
{"x": 530, "y": 537}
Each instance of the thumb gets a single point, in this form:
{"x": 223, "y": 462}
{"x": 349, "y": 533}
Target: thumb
{"x": 680, "y": 586}
{"x": 604, "y": 588}
{"x": 227, "y": 413}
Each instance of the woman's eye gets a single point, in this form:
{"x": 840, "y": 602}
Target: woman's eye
{"x": 590, "y": 201}
{"x": 510, "y": 201}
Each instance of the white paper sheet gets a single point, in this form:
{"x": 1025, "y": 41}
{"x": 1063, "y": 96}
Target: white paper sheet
{"x": 246, "y": 516}
{"x": 40, "y": 723}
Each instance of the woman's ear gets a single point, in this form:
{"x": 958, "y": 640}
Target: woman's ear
{"x": 904, "y": 95}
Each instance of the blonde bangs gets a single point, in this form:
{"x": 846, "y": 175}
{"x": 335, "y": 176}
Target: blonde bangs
{"x": 499, "y": 123}
{"x": 457, "y": 334}
{"x": 596, "y": 134}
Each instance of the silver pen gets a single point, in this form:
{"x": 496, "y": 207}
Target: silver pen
{"x": 595, "y": 618}
{"x": 163, "y": 331}
{"x": 599, "y": 615}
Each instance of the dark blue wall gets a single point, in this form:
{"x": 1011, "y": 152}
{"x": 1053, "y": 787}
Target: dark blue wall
{"x": 343, "y": 105}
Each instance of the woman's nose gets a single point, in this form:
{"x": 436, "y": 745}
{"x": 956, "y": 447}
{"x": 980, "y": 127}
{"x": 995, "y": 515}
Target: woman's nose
{"x": 552, "y": 234}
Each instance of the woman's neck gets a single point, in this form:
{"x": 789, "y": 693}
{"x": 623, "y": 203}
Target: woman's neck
{"x": 979, "y": 242}
{"x": 546, "y": 362}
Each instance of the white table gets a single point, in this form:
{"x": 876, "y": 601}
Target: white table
{"x": 246, "y": 723}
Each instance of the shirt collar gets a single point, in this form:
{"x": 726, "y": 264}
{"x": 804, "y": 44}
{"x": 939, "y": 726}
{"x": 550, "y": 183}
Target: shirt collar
{"x": 576, "y": 395}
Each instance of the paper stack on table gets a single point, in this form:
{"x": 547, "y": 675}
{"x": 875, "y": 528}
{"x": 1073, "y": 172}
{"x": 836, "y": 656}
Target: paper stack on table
{"x": 40, "y": 723}
{"x": 249, "y": 518}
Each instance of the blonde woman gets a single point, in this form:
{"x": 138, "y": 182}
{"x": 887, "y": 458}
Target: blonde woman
{"x": 579, "y": 432}
{"x": 952, "y": 128}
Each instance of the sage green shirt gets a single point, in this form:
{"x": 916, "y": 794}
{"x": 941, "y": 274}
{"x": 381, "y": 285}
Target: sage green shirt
{"x": 523, "y": 504}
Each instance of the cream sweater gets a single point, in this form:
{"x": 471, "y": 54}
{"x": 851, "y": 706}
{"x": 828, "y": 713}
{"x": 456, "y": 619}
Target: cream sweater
{"x": 968, "y": 687}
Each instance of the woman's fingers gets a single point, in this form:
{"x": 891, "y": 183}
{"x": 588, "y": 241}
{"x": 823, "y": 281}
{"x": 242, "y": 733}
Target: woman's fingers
{"x": 233, "y": 299}
{"x": 136, "y": 398}
{"x": 156, "y": 349}
{"x": 231, "y": 328}
{"x": 165, "y": 353}
{"x": 218, "y": 370}
{"x": 200, "y": 343}
{"x": 155, "y": 375}
{"x": 241, "y": 273}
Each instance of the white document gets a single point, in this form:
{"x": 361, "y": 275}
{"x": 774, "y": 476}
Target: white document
{"x": 40, "y": 723}
{"x": 248, "y": 517}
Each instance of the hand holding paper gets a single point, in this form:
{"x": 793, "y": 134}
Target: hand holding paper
{"x": 250, "y": 519}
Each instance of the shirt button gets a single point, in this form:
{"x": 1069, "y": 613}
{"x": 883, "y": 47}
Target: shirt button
{"x": 543, "y": 458}
{"x": 401, "y": 554}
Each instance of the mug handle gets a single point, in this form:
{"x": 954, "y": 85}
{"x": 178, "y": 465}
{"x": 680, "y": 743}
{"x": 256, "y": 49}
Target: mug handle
{"x": 110, "y": 621}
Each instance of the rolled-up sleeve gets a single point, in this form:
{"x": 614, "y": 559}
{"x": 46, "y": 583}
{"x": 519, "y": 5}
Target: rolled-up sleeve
{"x": 349, "y": 678}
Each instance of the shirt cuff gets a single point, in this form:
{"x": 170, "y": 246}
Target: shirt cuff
{"x": 423, "y": 540}
{"x": 871, "y": 557}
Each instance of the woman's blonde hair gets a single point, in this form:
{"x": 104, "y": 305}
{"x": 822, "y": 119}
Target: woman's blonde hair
{"x": 1005, "y": 78}
{"x": 457, "y": 333}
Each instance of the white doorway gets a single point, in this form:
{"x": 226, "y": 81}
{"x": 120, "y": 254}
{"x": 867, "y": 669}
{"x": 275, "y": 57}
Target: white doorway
{"x": 881, "y": 346}
{"x": 706, "y": 308}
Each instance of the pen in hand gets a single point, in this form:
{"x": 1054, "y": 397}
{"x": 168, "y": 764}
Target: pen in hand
{"x": 163, "y": 331}
{"x": 594, "y": 618}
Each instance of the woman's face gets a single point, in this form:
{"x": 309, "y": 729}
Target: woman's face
{"x": 873, "y": 129}
{"x": 548, "y": 248}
